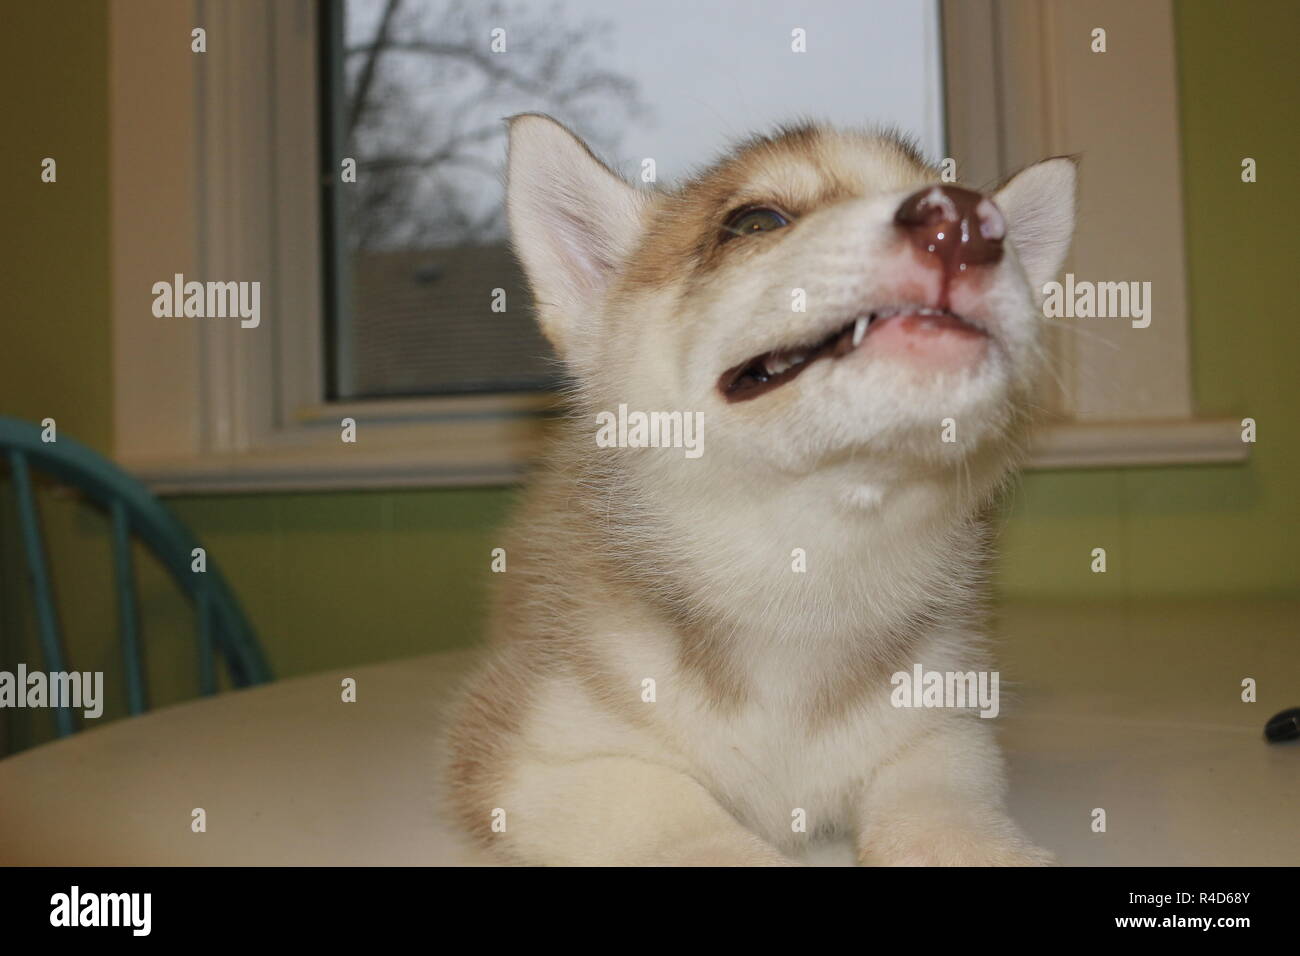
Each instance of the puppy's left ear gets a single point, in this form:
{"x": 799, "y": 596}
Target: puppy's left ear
{"x": 572, "y": 221}
{"x": 1038, "y": 203}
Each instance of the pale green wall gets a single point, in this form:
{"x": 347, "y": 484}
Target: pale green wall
{"x": 54, "y": 331}
{"x": 332, "y": 579}
{"x": 54, "y": 343}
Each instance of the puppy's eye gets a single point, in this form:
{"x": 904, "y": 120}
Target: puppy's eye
{"x": 747, "y": 221}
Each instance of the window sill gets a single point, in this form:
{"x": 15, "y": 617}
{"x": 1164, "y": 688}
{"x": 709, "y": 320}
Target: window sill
{"x": 1194, "y": 441}
{"x": 488, "y": 453}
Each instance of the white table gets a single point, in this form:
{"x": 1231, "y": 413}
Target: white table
{"x": 1134, "y": 711}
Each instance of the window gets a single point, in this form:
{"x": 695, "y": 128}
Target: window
{"x": 378, "y": 294}
{"x": 416, "y": 245}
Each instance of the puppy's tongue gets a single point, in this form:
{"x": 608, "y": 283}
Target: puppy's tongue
{"x": 938, "y": 342}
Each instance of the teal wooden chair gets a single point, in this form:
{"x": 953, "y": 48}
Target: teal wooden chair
{"x": 222, "y": 627}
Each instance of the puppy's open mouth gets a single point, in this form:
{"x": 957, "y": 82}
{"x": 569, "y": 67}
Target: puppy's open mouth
{"x": 762, "y": 373}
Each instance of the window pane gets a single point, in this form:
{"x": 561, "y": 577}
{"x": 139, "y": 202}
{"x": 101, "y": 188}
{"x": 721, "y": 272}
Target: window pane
{"x": 415, "y": 93}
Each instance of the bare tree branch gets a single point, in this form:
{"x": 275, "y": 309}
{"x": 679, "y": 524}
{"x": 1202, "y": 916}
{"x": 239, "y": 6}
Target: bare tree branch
{"x": 362, "y": 92}
{"x": 431, "y": 163}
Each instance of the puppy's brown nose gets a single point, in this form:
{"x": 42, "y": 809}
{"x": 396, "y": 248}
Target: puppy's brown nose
{"x": 959, "y": 226}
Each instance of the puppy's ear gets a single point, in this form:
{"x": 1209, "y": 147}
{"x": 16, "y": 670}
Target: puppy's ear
{"x": 572, "y": 222}
{"x": 1038, "y": 203}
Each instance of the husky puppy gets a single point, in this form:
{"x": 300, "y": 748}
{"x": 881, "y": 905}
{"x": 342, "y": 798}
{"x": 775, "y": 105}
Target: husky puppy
{"x": 692, "y": 651}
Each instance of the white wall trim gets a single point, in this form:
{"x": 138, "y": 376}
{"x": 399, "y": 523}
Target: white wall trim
{"x": 204, "y": 405}
{"x": 1023, "y": 83}
{"x": 1093, "y": 445}
{"x": 1138, "y": 444}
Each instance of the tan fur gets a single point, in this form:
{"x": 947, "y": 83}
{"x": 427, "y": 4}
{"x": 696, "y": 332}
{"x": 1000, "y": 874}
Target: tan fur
{"x": 627, "y": 564}
{"x": 795, "y": 171}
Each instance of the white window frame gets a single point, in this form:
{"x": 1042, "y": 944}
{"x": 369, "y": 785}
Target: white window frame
{"x": 214, "y": 175}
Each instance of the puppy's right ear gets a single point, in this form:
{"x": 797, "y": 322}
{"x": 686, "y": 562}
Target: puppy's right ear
{"x": 572, "y": 220}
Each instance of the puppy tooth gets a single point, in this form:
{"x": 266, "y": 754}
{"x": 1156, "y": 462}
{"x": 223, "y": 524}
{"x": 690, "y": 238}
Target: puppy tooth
{"x": 859, "y": 330}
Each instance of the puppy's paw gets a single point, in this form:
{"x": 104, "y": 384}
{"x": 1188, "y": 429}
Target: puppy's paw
{"x": 980, "y": 842}
{"x": 723, "y": 851}
{"x": 982, "y": 850}
{"x": 961, "y": 850}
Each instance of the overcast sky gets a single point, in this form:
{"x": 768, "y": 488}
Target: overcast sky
{"x": 717, "y": 70}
